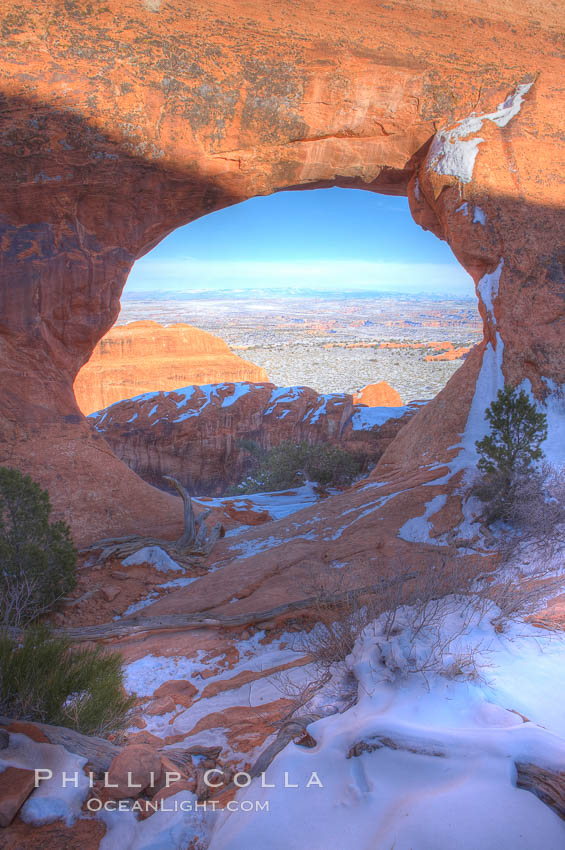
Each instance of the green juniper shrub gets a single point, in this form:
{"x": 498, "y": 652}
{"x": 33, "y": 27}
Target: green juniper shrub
{"x": 37, "y": 557}
{"x": 45, "y": 679}
{"x": 517, "y": 431}
{"x": 290, "y": 464}
{"x": 508, "y": 454}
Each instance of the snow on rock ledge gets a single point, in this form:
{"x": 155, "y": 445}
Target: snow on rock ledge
{"x": 453, "y": 152}
{"x": 194, "y": 433}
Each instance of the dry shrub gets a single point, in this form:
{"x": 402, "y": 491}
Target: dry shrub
{"x": 519, "y": 596}
{"x": 422, "y": 618}
{"x": 526, "y": 509}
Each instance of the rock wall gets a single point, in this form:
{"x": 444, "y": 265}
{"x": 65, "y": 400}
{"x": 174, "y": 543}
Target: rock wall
{"x": 123, "y": 121}
{"x": 194, "y": 433}
{"x": 143, "y": 357}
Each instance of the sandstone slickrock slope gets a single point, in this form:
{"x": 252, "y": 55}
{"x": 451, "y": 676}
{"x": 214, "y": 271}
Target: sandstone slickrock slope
{"x": 194, "y": 433}
{"x": 126, "y": 120}
{"x": 144, "y": 356}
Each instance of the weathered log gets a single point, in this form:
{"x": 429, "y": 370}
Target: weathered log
{"x": 173, "y": 622}
{"x": 408, "y": 745}
{"x": 189, "y": 534}
{"x": 99, "y": 752}
{"x": 548, "y": 785}
{"x": 293, "y": 728}
{"x": 195, "y": 543}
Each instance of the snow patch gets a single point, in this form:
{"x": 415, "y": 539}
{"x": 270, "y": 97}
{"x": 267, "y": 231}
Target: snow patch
{"x": 554, "y": 408}
{"x": 314, "y": 415}
{"x": 488, "y": 288}
{"x": 282, "y": 395}
{"x": 146, "y": 674}
{"x": 50, "y": 801}
{"x": 155, "y": 556}
{"x": 138, "y": 606}
{"x": 367, "y": 418}
{"x": 175, "y": 827}
{"x": 417, "y": 529}
{"x": 489, "y": 382}
{"x": 239, "y": 390}
{"x": 249, "y": 548}
{"x": 453, "y": 152}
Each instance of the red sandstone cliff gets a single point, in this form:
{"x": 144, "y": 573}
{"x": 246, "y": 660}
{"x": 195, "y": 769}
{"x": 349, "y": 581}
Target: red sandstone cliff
{"x": 193, "y": 433}
{"x": 143, "y": 357}
{"x": 380, "y": 394}
{"x": 111, "y": 140}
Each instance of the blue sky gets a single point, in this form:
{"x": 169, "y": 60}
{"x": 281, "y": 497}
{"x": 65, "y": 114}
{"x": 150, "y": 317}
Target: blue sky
{"x": 326, "y": 239}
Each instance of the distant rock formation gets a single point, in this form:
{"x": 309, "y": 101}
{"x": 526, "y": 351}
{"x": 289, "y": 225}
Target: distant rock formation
{"x": 450, "y": 354}
{"x": 380, "y": 394}
{"x": 145, "y": 356}
{"x": 194, "y": 433}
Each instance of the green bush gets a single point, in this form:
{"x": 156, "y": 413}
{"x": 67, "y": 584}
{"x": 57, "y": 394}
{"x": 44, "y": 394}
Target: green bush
{"x": 516, "y": 433}
{"x": 507, "y": 456}
{"x": 45, "y": 679}
{"x": 289, "y": 465}
{"x": 37, "y": 557}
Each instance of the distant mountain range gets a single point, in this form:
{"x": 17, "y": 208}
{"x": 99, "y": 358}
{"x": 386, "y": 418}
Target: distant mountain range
{"x": 290, "y": 292}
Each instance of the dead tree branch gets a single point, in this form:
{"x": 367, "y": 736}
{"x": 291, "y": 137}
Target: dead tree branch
{"x": 195, "y": 543}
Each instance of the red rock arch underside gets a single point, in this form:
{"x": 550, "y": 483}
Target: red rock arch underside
{"x": 124, "y": 121}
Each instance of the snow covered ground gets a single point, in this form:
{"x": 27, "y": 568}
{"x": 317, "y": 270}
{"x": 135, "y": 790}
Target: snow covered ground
{"x": 148, "y": 673}
{"x": 425, "y": 760}
{"x": 420, "y": 762}
{"x": 279, "y": 504}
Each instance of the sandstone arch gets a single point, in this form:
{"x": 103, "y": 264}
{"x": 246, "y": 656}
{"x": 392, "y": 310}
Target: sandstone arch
{"x": 124, "y": 120}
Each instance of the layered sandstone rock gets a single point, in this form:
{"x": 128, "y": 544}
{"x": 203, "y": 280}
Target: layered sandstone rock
{"x": 111, "y": 140}
{"x": 142, "y": 357}
{"x": 380, "y": 394}
{"x": 195, "y": 433}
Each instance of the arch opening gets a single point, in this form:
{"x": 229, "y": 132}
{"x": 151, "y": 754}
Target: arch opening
{"x": 338, "y": 291}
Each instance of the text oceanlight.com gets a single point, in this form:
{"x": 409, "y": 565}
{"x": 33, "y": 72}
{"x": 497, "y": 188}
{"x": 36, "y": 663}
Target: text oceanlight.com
{"x": 172, "y": 805}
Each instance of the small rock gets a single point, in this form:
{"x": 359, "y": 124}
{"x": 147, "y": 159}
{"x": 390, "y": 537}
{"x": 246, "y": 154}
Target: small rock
{"x": 144, "y": 737}
{"x": 4, "y": 739}
{"x": 16, "y": 784}
{"x": 134, "y": 769}
{"x": 176, "y": 688}
{"x": 160, "y": 706}
{"x": 110, "y": 592}
{"x": 24, "y": 727}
